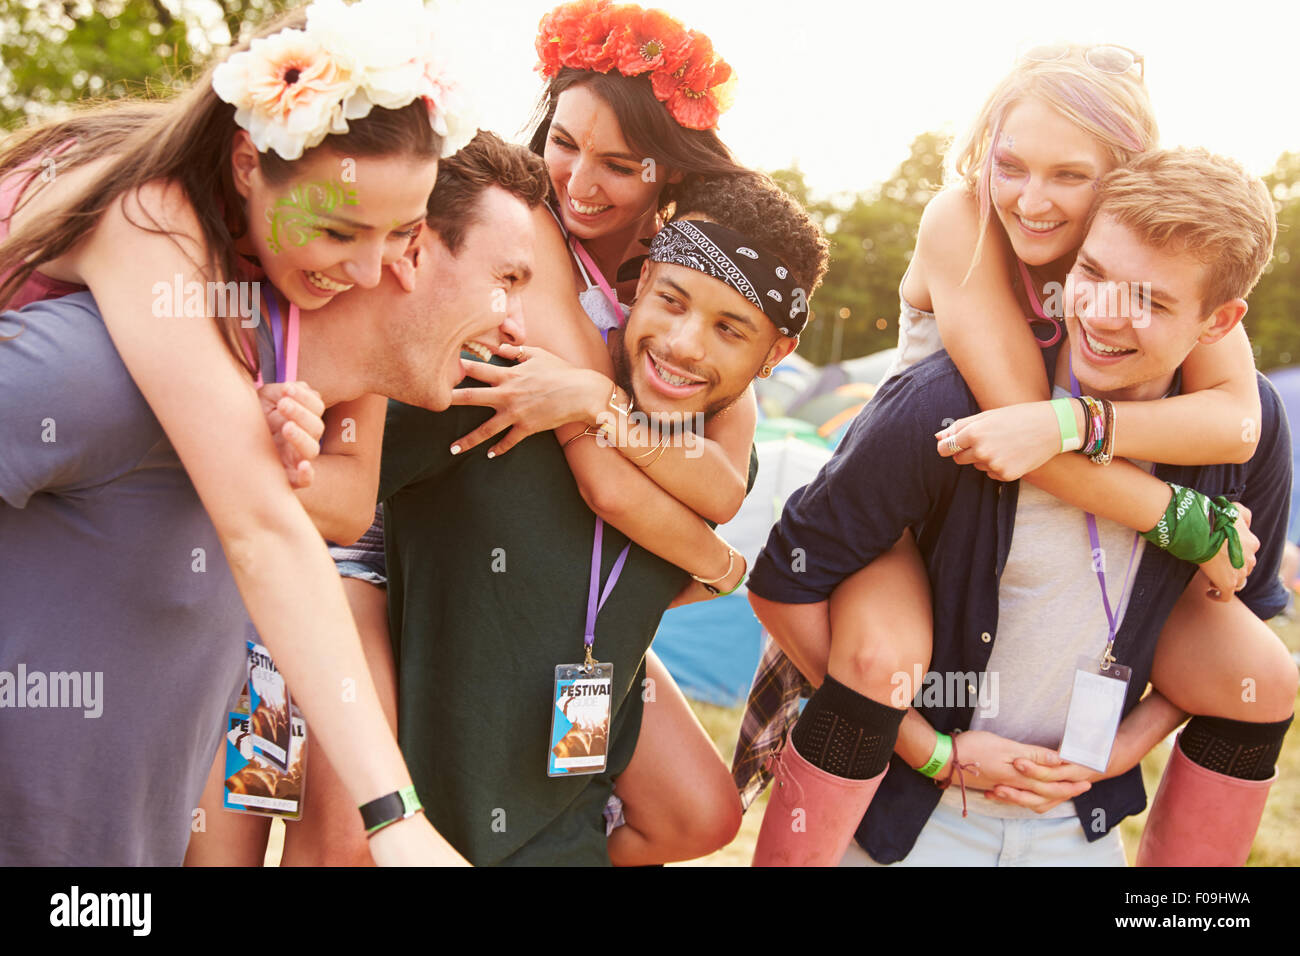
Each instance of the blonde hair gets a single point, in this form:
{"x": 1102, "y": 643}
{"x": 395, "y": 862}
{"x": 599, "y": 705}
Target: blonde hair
{"x": 1192, "y": 202}
{"x": 1113, "y": 108}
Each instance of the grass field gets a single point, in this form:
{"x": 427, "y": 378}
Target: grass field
{"x": 1276, "y": 844}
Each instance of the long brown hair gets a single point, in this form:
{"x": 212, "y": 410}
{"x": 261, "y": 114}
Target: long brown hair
{"x": 645, "y": 123}
{"x": 186, "y": 140}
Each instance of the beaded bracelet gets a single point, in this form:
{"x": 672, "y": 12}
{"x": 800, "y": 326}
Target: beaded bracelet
{"x": 1096, "y": 416}
{"x": 1104, "y": 454}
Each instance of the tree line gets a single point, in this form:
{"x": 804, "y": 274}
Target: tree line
{"x": 55, "y": 52}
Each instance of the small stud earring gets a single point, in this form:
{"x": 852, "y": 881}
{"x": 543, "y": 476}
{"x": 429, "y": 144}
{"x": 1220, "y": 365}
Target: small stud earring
{"x": 765, "y": 371}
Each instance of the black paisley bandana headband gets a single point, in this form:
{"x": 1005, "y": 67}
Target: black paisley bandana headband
{"x": 726, "y": 255}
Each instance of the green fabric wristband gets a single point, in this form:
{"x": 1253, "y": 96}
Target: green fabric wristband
{"x": 1194, "y": 527}
{"x": 942, "y": 751}
{"x": 1064, "y": 408}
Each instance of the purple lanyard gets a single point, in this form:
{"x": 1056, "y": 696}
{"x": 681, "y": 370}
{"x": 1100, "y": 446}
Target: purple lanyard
{"x": 1096, "y": 550}
{"x": 284, "y": 342}
{"x": 277, "y": 335}
{"x": 593, "y": 608}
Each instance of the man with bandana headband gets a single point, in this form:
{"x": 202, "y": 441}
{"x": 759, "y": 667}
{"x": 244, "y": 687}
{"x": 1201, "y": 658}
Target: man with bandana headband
{"x": 494, "y": 564}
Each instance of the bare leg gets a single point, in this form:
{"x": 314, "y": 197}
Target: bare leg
{"x": 678, "y": 796}
{"x": 227, "y": 838}
{"x": 838, "y": 751}
{"x": 1221, "y": 663}
{"x": 330, "y": 832}
{"x": 1220, "y": 660}
{"x": 882, "y": 626}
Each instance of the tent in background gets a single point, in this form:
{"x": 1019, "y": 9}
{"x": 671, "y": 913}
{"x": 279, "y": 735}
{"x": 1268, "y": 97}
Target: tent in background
{"x": 868, "y": 369}
{"x": 712, "y": 648}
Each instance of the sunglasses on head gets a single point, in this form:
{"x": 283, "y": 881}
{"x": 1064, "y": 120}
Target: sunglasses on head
{"x": 1105, "y": 58}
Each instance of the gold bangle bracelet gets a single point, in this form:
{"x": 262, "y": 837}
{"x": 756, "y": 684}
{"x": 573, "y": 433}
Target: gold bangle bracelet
{"x": 731, "y": 563}
{"x": 662, "y": 448}
{"x": 653, "y": 448}
{"x": 582, "y": 434}
{"x": 631, "y": 402}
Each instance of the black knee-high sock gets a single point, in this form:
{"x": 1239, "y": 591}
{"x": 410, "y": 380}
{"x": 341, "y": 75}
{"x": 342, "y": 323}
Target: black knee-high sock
{"x": 845, "y": 733}
{"x": 1234, "y": 748}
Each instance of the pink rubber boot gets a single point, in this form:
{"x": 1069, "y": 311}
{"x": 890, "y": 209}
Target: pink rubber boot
{"x": 1201, "y": 818}
{"x": 811, "y": 815}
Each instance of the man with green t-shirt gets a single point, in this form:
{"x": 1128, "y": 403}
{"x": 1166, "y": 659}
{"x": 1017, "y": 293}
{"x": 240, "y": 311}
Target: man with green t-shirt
{"x": 490, "y": 560}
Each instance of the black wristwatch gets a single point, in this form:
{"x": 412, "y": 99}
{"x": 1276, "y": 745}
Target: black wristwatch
{"x": 397, "y": 805}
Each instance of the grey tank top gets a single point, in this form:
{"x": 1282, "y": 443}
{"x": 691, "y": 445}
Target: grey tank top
{"x": 918, "y": 335}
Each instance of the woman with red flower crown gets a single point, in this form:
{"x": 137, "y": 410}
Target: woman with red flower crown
{"x": 234, "y": 179}
{"x": 627, "y": 118}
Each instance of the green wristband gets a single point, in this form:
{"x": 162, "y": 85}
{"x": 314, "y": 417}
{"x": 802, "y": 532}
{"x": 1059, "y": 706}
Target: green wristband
{"x": 1064, "y": 408}
{"x": 1194, "y": 527}
{"x": 742, "y": 580}
{"x": 389, "y": 809}
{"x": 942, "y": 751}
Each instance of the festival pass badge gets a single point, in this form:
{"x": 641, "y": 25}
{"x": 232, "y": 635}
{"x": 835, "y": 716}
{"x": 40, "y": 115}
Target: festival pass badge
{"x": 253, "y": 784}
{"x": 580, "y": 712}
{"x": 269, "y": 708}
{"x": 1096, "y": 706}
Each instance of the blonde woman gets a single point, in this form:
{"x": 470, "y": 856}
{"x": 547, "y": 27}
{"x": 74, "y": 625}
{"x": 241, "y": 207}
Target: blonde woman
{"x": 992, "y": 256}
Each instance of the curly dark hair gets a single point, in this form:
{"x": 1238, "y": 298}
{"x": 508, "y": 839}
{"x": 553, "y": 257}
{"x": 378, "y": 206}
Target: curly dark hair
{"x": 753, "y": 204}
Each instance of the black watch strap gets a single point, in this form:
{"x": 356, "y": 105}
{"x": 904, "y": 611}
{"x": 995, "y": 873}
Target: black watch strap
{"x": 395, "y": 806}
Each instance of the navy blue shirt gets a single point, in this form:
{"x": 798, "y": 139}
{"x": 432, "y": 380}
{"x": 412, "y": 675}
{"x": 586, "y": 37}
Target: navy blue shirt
{"x": 887, "y": 476}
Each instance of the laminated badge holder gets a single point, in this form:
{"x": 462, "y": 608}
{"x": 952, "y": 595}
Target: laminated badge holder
{"x": 585, "y": 688}
{"x": 1097, "y": 696}
{"x": 591, "y": 271}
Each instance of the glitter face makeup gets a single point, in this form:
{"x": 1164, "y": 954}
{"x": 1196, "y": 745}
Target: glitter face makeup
{"x": 296, "y": 218}
{"x": 1042, "y": 187}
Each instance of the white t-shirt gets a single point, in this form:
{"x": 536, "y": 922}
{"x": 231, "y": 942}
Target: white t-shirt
{"x": 1050, "y": 613}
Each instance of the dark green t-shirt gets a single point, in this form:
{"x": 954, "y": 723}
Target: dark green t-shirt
{"x": 489, "y": 563}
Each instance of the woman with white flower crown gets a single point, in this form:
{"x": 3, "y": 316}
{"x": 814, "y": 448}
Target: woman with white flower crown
{"x": 159, "y": 445}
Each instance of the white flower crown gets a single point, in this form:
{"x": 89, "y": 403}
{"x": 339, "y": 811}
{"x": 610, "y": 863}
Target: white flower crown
{"x": 292, "y": 89}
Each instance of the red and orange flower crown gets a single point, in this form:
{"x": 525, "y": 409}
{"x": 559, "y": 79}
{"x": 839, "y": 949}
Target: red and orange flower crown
{"x": 688, "y": 77}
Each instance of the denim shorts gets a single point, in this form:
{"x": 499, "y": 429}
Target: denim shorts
{"x": 949, "y": 839}
{"x": 365, "y": 559}
{"x": 371, "y": 573}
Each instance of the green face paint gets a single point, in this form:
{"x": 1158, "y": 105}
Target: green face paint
{"x": 296, "y": 218}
